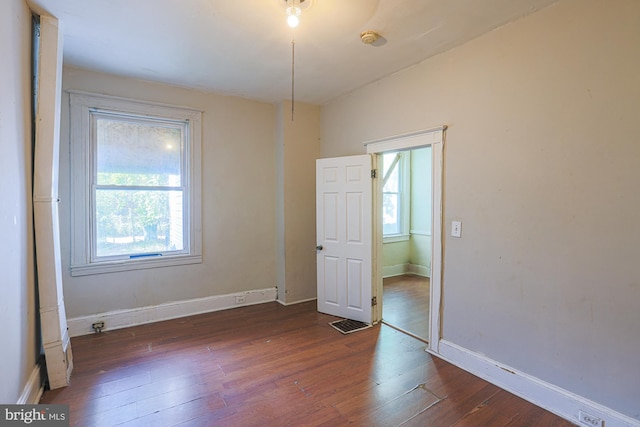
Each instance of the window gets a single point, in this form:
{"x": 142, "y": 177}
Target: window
{"x": 135, "y": 185}
{"x": 395, "y": 195}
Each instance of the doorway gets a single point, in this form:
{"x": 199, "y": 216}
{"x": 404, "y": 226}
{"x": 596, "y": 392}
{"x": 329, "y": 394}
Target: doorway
{"x": 434, "y": 140}
{"x": 407, "y": 239}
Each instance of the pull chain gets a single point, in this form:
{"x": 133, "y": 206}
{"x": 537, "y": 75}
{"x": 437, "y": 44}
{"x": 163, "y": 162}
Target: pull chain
{"x": 293, "y": 62}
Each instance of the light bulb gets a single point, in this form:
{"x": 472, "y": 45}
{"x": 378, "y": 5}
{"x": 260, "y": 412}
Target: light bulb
{"x": 293, "y": 15}
{"x": 293, "y": 21}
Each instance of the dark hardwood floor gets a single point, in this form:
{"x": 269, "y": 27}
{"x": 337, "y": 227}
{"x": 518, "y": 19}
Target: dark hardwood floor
{"x": 405, "y": 304}
{"x": 271, "y": 365}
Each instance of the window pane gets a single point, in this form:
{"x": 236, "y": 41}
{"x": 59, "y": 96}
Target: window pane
{"x": 390, "y": 218}
{"x": 387, "y": 159}
{"x": 129, "y": 153}
{"x": 138, "y": 222}
{"x": 393, "y": 182}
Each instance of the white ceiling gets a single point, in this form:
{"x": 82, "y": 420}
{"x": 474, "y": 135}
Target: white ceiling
{"x": 243, "y": 48}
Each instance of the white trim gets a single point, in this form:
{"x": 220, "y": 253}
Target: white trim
{"x": 296, "y": 302}
{"x": 45, "y": 204}
{"x": 138, "y": 316}
{"x": 59, "y": 359}
{"x": 402, "y": 269}
{"x": 394, "y": 270}
{"x": 394, "y": 238}
{"x": 376, "y": 244}
{"x": 419, "y": 233}
{"x": 437, "y": 242}
{"x": 419, "y": 270}
{"x": 406, "y": 141}
{"x": 112, "y": 267}
{"x": 435, "y": 138}
{"x": 137, "y": 101}
{"x": 541, "y": 393}
{"x": 33, "y": 389}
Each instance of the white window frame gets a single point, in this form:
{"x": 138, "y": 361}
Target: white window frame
{"x": 82, "y": 105}
{"x": 405, "y": 199}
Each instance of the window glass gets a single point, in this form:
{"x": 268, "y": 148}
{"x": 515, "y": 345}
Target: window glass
{"x": 138, "y": 198}
{"x": 137, "y": 153}
{"x": 130, "y": 222}
{"x": 391, "y": 194}
{"x": 135, "y": 185}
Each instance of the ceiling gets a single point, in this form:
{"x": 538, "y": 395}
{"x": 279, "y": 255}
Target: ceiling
{"x": 243, "y": 47}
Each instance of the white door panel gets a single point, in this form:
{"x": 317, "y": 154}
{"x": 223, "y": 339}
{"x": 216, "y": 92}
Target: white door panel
{"x": 344, "y": 234}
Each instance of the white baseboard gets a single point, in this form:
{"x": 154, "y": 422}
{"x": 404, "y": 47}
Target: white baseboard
{"x": 400, "y": 269}
{"x": 33, "y": 389}
{"x": 172, "y": 310}
{"x": 297, "y": 302}
{"x": 395, "y": 270}
{"x": 419, "y": 270}
{"x": 541, "y": 393}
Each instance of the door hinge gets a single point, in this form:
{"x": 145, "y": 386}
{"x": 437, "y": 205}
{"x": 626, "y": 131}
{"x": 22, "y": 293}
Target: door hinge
{"x": 374, "y": 301}
{"x": 374, "y": 173}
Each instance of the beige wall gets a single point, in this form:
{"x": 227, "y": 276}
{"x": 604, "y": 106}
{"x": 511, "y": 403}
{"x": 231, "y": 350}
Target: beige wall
{"x": 541, "y": 166}
{"x": 238, "y": 203}
{"x": 298, "y": 148}
{"x": 17, "y": 305}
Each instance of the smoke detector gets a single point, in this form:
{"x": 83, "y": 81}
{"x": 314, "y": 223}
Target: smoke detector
{"x": 369, "y": 37}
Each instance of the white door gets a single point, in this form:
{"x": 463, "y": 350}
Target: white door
{"x": 344, "y": 233}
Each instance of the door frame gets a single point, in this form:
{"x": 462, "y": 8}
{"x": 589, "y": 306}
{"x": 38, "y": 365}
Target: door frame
{"x": 433, "y": 137}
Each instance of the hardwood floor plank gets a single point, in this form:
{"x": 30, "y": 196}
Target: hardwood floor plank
{"x": 405, "y": 304}
{"x": 107, "y": 418}
{"x": 177, "y": 414}
{"x": 397, "y": 411}
{"x": 453, "y": 407}
{"x": 271, "y": 365}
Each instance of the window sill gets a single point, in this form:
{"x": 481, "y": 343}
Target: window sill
{"x": 128, "y": 265}
{"x": 393, "y": 238}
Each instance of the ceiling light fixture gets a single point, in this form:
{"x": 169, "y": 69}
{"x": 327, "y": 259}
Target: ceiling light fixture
{"x": 293, "y": 13}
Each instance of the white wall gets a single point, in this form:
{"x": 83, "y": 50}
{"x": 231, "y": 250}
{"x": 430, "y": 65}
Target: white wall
{"x": 420, "y": 254}
{"x": 17, "y": 306}
{"x": 238, "y": 209}
{"x": 541, "y": 167}
{"x": 395, "y": 257}
{"x": 414, "y": 255}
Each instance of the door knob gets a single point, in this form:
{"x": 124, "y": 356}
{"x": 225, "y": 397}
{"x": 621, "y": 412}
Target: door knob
{"x": 319, "y": 248}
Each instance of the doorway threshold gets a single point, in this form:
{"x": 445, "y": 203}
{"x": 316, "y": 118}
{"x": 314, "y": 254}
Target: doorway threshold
{"x": 404, "y": 331}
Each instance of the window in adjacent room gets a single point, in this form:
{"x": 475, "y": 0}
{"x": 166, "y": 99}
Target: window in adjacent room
{"x": 135, "y": 185}
{"x": 395, "y": 195}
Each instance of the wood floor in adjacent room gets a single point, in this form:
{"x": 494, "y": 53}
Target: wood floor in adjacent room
{"x": 405, "y": 304}
{"x": 271, "y": 365}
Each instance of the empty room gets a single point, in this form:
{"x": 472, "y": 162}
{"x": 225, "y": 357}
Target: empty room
{"x": 196, "y": 194}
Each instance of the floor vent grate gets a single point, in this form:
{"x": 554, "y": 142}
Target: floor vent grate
{"x": 347, "y": 326}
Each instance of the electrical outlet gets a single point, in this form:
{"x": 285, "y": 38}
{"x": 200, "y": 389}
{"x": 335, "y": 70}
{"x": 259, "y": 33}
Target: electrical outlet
{"x": 98, "y": 326}
{"x": 241, "y": 299}
{"x": 589, "y": 420}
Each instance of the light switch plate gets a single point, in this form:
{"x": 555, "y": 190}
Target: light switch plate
{"x": 456, "y": 228}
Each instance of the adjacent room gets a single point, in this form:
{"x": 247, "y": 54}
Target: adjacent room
{"x": 406, "y": 222}
{"x": 194, "y": 190}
